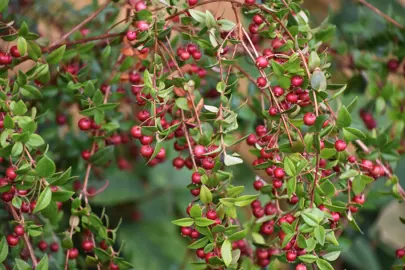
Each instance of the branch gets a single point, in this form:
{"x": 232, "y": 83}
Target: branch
{"x": 80, "y": 25}
{"x": 25, "y": 236}
{"x": 379, "y": 12}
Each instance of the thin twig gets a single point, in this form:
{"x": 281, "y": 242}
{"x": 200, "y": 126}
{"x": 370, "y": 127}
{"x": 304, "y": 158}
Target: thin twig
{"x": 25, "y": 236}
{"x": 379, "y": 12}
{"x": 80, "y": 25}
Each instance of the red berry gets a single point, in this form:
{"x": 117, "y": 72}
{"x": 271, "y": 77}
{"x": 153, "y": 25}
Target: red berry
{"x": 84, "y": 124}
{"x": 178, "y": 163}
{"x": 200, "y": 253}
{"x": 258, "y": 212}
{"x": 87, "y": 245}
{"x": 301, "y": 267}
{"x": 256, "y": 204}
{"x": 251, "y": 139}
{"x": 273, "y": 111}
{"x": 42, "y": 245}
{"x": 194, "y": 234}
{"x": 279, "y": 173}
{"x": 258, "y": 184}
{"x": 277, "y": 183}
{"x": 278, "y": 91}
{"x": 19, "y": 230}
{"x": 297, "y": 81}
{"x": 208, "y": 256}
{"x": 140, "y": 5}
{"x": 351, "y": 159}
{"x": 14, "y": 51}
{"x": 131, "y": 35}
{"x": 146, "y": 151}
{"x": 113, "y": 266}
{"x": 261, "y": 82}
{"x": 400, "y": 253}
{"x": 294, "y": 199}
{"x": 195, "y": 192}
{"x": 196, "y": 55}
{"x": 291, "y": 255}
{"x": 292, "y": 97}
{"x": 309, "y": 119}
{"x": 335, "y": 216}
{"x": 196, "y": 178}
{"x": 208, "y": 163}
{"x": 186, "y": 231}
{"x": 277, "y": 43}
{"x": 257, "y": 19}
{"x": 267, "y": 228}
{"x": 199, "y": 151}
{"x": 192, "y": 2}
{"x": 73, "y": 253}
{"x": 253, "y": 28}
{"x": 142, "y": 25}
{"x": 54, "y": 247}
{"x": 211, "y": 214}
{"x": 262, "y": 62}
{"x": 393, "y": 65}
{"x": 85, "y": 154}
{"x": 10, "y": 173}
{"x": 340, "y": 145}
{"x": 359, "y": 199}
{"x": 250, "y": 2}
{"x": 12, "y": 240}
{"x": 184, "y": 56}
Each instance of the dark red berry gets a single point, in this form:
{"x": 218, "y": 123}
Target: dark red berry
{"x": 73, "y": 253}
{"x": 19, "y": 230}
{"x": 12, "y": 240}
{"x": 84, "y": 124}
{"x": 196, "y": 178}
{"x": 297, "y": 81}
{"x": 42, "y": 245}
{"x": 309, "y": 119}
{"x": 87, "y": 245}
{"x": 291, "y": 255}
{"x": 258, "y": 184}
{"x": 340, "y": 145}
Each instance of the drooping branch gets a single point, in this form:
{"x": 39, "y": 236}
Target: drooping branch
{"x": 380, "y": 13}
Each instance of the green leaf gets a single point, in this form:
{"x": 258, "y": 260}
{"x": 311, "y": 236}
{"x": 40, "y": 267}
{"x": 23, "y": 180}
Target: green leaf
{"x": 43, "y": 200}
{"x": 35, "y": 141}
{"x": 3, "y": 5}
{"x": 226, "y": 252}
{"x": 3, "y": 249}
{"x": 327, "y": 153}
{"x": 351, "y": 134}
{"x": 319, "y": 233}
{"x": 348, "y": 174}
{"x": 200, "y": 243}
{"x": 62, "y": 179}
{"x": 231, "y": 160}
{"x": 18, "y": 108}
{"x": 238, "y": 235}
{"x": 203, "y": 222}
{"x": 183, "y": 222}
{"x": 289, "y": 167}
{"x": 205, "y": 194}
{"x": 221, "y": 86}
{"x": 34, "y": 51}
{"x": 21, "y": 265}
{"x": 245, "y": 200}
{"x": 360, "y": 182}
{"x": 308, "y": 258}
{"x": 314, "y": 60}
{"x": 344, "y": 118}
{"x": 318, "y": 80}
{"x": 195, "y": 211}
{"x": 43, "y": 263}
{"x": 22, "y": 45}
{"x": 291, "y": 186}
{"x": 331, "y": 256}
{"x": 55, "y": 56}
{"x": 324, "y": 265}
{"x": 182, "y": 103}
{"x": 197, "y": 15}
{"x": 45, "y": 167}
{"x": 277, "y": 68}
{"x": 312, "y": 216}
{"x": 102, "y": 156}
{"x": 226, "y": 25}
{"x": 17, "y": 149}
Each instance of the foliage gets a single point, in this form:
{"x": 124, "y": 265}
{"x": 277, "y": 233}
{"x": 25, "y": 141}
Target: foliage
{"x": 168, "y": 86}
